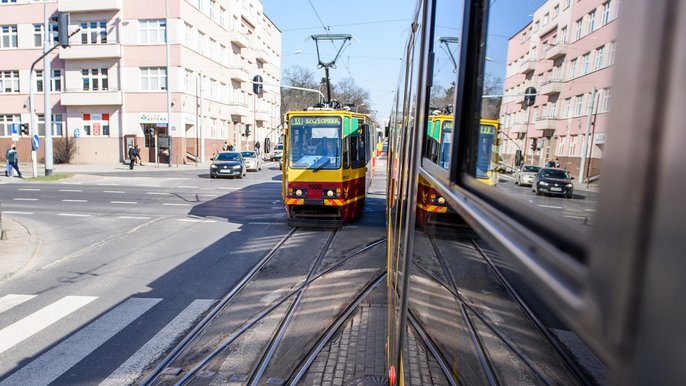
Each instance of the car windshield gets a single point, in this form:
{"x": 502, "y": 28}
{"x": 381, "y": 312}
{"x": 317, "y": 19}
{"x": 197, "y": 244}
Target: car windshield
{"x": 248, "y": 154}
{"x": 315, "y": 142}
{"x": 531, "y": 169}
{"x": 227, "y": 157}
{"x": 553, "y": 173}
{"x": 278, "y": 147}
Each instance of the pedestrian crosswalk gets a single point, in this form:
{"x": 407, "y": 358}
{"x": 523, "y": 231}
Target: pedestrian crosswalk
{"x": 54, "y": 361}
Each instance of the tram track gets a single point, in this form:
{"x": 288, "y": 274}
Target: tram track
{"x": 168, "y": 373}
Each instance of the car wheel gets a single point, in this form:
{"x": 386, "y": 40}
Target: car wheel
{"x": 516, "y": 182}
{"x": 211, "y": 175}
{"x": 569, "y": 195}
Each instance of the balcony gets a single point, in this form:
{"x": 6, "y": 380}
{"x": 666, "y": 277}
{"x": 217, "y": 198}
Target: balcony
{"x": 89, "y": 5}
{"x": 552, "y": 87}
{"x": 239, "y": 73}
{"x": 239, "y": 39}
{"x": 546, "y": 124}
{"x": 261, "y": 55}
{"x": 240, "y": 109}
{"x": 527, "y": 66}
{"x": 556, "y": 51}
{"x": 91, "y": 51}
{"x": 262, "y": 116}
{"x": 91, "y": 98}
{"x": 518, "y": 128}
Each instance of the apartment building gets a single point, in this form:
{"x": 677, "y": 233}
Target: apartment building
{"x": 567, "y": 54}
{"x": 172, "y": 73}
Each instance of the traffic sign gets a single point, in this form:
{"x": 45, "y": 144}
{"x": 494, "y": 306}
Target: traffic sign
{"x": 35, "y": 142}
{"x": 15, "y": 132}
{"x": 77, "y": 132}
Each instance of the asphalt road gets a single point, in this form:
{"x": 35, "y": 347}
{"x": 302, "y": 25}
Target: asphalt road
{"x": 126, "y": 264}
{"x": 579, "y": 210}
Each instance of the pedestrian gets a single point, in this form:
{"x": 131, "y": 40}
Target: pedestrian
{"x": 232, "y": 148}
{"x": 225, "y": 147}
{"x": 257, "y": 148}
{"x": 132, "y": 156}
{"x": 8, "y": 170}
{"x": 13, "y": 161}
{"x": 557, "y": 163}
{"x": 549, "y": 164}
{"x": 137, "y": 154}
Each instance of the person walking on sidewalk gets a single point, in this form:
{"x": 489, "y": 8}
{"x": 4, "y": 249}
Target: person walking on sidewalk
{"x": 13, "y": 161}
{"x": 137, "y": 154}
{"x": 132, "y": 157}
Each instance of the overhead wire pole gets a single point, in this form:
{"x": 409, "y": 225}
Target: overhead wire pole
{"x": 331, "y": 64}
{"x": 47, "y": 112}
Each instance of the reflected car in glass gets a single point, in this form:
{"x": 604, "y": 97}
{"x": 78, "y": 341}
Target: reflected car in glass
{"x": 277, "y": 152}
{"x": 525, "y": 175}
{"x": 553, "y": 181}
{"x": 252, "y": 160}
{"x": 227, "y": 164}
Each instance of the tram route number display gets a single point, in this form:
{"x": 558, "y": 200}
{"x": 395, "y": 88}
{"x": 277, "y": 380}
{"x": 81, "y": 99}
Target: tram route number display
{"x": 315, "y": 121}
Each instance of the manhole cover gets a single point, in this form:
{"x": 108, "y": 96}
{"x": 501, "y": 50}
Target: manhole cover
{"x": 370, "y": 380}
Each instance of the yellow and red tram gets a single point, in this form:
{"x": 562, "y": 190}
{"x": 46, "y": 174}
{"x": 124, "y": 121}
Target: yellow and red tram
{"x": 325, "y": 173}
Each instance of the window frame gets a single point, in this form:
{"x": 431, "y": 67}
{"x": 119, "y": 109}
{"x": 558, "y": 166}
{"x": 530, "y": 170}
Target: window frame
{"x": 153, "y": 73}
{"x": 152, "y": 27}
{"x": 95, "y": 76}
{"x": 10, "y": 33}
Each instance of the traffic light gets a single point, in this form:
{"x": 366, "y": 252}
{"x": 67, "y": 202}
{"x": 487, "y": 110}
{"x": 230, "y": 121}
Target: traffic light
{"x": 63, "y": 29}
{"x": 257, "y": 85}
{"x": 267, "y": 143}
{"x": 534, "y": 144}
{"x": 529, "y": 96}
{"x": 247, "y": 131}
{"x": 25, "y": 128}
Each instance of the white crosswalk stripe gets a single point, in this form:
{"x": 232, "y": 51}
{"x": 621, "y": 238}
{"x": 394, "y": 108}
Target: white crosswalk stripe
{"x": 133, "y": 368}
{"x": 52, "y": 364}
{"x": 25, "y": 328}
{"x": 9, "y": 301}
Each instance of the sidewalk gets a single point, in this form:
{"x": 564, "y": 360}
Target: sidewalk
{"x": 17, "y": 250}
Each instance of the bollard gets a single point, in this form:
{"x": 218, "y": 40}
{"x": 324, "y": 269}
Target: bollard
{"x": 3, "y": 233}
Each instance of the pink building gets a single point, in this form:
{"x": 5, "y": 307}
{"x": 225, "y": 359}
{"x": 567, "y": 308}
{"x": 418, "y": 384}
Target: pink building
{"x": 565, "y": 53}
{"x": 112, "y": 86}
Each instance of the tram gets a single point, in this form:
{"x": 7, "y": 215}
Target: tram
{"x": 587, "y": 292}
{"x": 326, "y": 153}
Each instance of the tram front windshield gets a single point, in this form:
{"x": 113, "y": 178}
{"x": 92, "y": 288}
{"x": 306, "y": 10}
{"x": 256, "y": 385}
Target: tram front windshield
{"x": 315, "y": 143}
{"x": 446, "y": 142}
{"x": 486, "y": 140}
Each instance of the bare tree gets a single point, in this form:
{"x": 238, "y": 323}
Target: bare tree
{"x": 349, "y": 93}
{"x": 441, "y": 97}
{"x": 490, "y": 107}
{"x": 297, "y": 99}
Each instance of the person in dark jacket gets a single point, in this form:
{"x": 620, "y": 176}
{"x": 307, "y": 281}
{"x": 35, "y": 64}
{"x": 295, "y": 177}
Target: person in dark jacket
{"x": 132, "y": 157}
{"x": 13, "y": 161}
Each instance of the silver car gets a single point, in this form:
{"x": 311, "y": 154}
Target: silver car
{"x": 526, "y": 175}
{"x": 252, "y": 160}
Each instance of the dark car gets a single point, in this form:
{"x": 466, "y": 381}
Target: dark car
{"x": 553, "y": 181}
{"x": 227, "y": 164}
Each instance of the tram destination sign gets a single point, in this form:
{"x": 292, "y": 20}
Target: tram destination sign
{"x": 319, "y": 121}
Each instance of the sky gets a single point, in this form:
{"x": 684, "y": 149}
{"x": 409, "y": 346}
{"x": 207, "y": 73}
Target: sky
{"x": 380, "y": 29}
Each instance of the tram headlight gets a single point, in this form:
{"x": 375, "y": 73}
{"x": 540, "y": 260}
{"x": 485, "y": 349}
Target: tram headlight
{"x": 330, "y": 193}
{"x": 441, "y": 200}
{"x": 299, "y": 193}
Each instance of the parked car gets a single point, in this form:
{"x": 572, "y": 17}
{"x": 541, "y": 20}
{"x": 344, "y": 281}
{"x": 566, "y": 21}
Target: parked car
{"x": 553, "y": 181}
{"x": 526, "y": 174}
{"x": 252, "y": 161}
{"x": 227, "y": 164}
{"x": 277, "y": 152}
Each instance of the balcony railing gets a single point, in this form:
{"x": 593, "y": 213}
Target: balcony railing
{"x": 239, "y": 39}
{"x": 91, "y": 98}
{"x": 555, "y": 51}
{"x": 527, "y": 66}
{"x": 92, "y": 51}
{"x": 546, "y": 123}
{"x": 552, "y": 87}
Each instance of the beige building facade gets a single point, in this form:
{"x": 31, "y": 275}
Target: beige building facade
{"x": 172, "y": 76}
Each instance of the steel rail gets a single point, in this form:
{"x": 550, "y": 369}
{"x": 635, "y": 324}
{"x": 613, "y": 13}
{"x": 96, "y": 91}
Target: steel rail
{"x": 442, "y": 363}
{"x": 215, "y": 310}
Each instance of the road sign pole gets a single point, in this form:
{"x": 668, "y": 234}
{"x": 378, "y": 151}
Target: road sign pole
{"x": 46, "y": 89}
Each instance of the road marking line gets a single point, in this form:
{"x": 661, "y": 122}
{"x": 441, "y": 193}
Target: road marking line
{"x": 187, "y": 186}
{"x": 113, "y": 191}
{"x": 590, "y": 210}
{"x": 576, "y": 217}
{"x": 51, "y": 365}
{"x": 71, "y": 190}
{"x": 175, "y": 204}
{"x": 549, "y": 206}
{"x": 25, "y": 199}
{"x": 265, "y": 223}
{"x": 209, "y": 195}
{"x": 39, "y": 320}
{"x": 134, "y": 217}
{"x": 130, "y": 370}
{"x": 196, "y": 220}
{"x": 124, "y": 202}
{"x": 12, "y": 212}
{"x": 73, "y": 215}
{"x": 11, "y": 300}
{"x": 109, "y": 184}
{"x": 74, "y": 200}
{"x": 159, "y": 193}
{"x": 148, "y": 186}
{"x": 29, "y": 189}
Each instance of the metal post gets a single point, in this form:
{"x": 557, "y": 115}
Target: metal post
{"x": 202, "y": 122}
{"x": 46, "y": 89}
{"x": 3, "y": 233}
{"x": 526, "y": 133}
{"x": 584, "y": 145}
{"x": 197, "y": 119}
{"x": 169, "y": 96}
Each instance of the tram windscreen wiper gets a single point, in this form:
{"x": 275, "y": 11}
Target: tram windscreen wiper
{"x": 323, "y": 163}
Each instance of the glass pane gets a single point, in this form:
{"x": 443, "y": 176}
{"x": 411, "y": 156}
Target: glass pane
{"x": 315, "y": 142}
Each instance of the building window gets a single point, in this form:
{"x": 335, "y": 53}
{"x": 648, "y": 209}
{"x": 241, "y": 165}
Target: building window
{"x": 577, "y": 28}
{"x": 571, "y": 70}
{"x": 153, "y": 78}
{"x": 578, "y": 105}
{"x": 94, "y": 32}
{"x": 190, "y": 35}
{"x": 57, "y": 124}
{"x": 545, "y": 20}
{"x": 189, "y": 82}
{"x": 55, "y": 81}
{"x": 6, "y": 124}
{"x": 8, "y": 1}
{"x": 8, "y": 36}
{"x": 556, "y": 11}
{"x": 591, "y": 22}
{"x": 223, "y": 18}
{"x": 38, "y": 34}
{"x": 584, "y": 63}
{"x": 94, "y": 79}
{"x": 599, "y": 58}
{"x": 202, "y": 46}
{"x": 613, "y": 51}
{"x": 152, "y": 31}
{"x": 605, "y": 100}
{"x": 606, "y": 13}
{"x": 567, "y": 3}
{"x": 96, "y": 125}
{"x": 213, "y": 10}
{"x": 552, "y": 112}
{"x": 9, "y": 81}
{"x": 563, "y": 35}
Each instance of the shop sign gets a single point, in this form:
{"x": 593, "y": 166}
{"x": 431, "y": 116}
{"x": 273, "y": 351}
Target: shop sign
{"x": 152, "y": 117}
{"x": 599, "y": 138}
